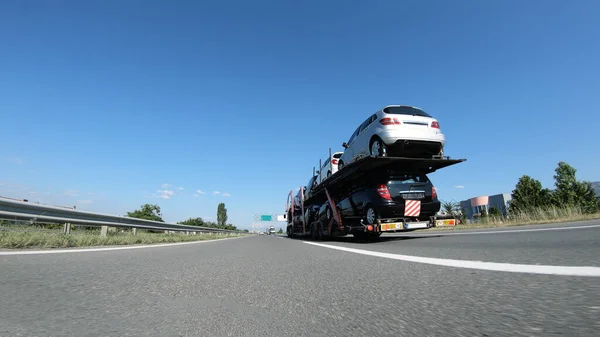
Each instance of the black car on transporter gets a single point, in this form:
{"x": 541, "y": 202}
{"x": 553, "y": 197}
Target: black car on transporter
{"x": 391, "y": 197}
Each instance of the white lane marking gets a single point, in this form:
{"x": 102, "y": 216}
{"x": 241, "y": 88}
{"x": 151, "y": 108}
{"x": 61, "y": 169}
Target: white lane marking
{"x": 85, "y": 250}
{"x": 494, "y": 266}
{"x": 501, "y": 231}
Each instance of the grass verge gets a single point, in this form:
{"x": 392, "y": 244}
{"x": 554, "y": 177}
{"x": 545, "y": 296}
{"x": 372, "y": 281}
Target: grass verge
{"x": 10, "y": 239}
{"x": 532, "y": 217}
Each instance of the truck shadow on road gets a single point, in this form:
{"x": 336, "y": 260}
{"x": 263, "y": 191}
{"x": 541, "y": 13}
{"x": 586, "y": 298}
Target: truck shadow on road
{"x": 381, "y": 239}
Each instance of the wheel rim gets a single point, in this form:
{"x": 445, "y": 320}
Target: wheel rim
{"x": 376, "y": 148}
{"x": 370, "y": 216}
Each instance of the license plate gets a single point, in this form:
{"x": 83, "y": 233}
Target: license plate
{"x": 416, "y": 225}
{"x": 413, "y": 196}
{"x": 445, "y": 222}
{"x": 391, "y": 226}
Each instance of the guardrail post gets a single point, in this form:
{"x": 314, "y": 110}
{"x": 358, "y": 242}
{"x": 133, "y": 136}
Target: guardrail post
{"x": 67, "y": 228}
{"x": 134, "y": 231}
{"x": 103, "y": 231}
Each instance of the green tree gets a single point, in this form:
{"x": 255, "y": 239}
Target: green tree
{"x": 147, "y": 212}
{"x": 451, "y": 207}
{"x": 572, "y": 193}
{"x": 193, "y": 222}
{"x": 221, "y": 215}
{"x": 495, "y": 212}
{"x": 565, "y": 183}
{"x": 483, "y": 213}
{"x": 589, "y": 202}
{"x": 529, "y": 194}
{"x": 280, "y": 231}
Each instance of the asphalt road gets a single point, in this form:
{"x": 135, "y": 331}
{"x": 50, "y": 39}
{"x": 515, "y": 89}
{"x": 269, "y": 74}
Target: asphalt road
{"x": 273, "y": 286}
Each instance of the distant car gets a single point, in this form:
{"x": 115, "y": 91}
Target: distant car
{"x": 396, "y": 130}
{"x": 326, "y": 171}
{"x": 261, "y": 233}
{"x": 385, "y": 196}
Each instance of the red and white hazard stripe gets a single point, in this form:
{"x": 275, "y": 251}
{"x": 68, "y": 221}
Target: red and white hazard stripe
{"x": 412, "y": 208}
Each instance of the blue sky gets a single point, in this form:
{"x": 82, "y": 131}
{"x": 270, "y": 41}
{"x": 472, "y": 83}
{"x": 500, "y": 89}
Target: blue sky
{"x": 104, "y": 102}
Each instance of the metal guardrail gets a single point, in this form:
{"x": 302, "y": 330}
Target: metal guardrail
{"x": 11, "y": 209}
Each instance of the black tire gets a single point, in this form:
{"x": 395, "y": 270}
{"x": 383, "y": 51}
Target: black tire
{"x": 377, "y": 148}
{"x": 340, "y": 165}
{"x": 314, "y": 232}
{"x": 319, "y": 236}
{"x": 328, "y": 174}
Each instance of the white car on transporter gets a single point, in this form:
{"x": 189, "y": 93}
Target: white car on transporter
{"x": 327, "y": 171}
{"x": 396, "y": 130}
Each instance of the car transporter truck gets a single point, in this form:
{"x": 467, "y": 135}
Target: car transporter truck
{"x": 367, "y": 198}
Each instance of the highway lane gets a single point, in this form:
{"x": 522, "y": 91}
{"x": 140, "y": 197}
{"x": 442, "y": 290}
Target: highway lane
{"x": 270, "y": 286}
{"x": 576, "y": 247}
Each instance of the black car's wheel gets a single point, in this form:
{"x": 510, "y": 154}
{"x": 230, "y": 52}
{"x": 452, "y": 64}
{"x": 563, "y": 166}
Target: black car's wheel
{"x": 378, "y": 148}
{"x": 371, "y": 215}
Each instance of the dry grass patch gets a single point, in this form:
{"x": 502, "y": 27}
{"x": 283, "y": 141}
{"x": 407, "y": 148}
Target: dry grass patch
{"x": 14, "y": 239}
{"x": 537, "y": 216}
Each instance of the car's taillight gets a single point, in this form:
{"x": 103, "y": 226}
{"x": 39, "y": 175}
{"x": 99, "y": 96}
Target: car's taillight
{"x": 383, "y": 192}
{"x": 433, "y": 192}
{"x": 389, "y": 121}
{"x": 435, "y": 125}
{"x": 334, "y": 161}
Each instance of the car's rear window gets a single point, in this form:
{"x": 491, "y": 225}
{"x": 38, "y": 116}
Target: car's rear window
{"x": 405, "y": 110}
{"x": 337, "y": 155}
{"x": 408, "y": 179}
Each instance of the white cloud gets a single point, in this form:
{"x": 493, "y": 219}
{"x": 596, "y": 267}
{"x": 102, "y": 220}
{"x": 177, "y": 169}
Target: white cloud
{"x": 165, "y": 194}
{"x": 165, "y": 186}
{"x": 216, "y": 193}
{"x": 85, "y": 202}
{"x": 180, "y": 188}
{"x": 196, "y": 195}
{"x": 199, "y": 192}
{"x": 72, "y": 193}
{"x": 459, "y": 186}
{"x": 226, "y": 194}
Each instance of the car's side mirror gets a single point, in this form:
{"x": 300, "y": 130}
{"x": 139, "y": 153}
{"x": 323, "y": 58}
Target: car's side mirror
{"x": 345, "y": 145}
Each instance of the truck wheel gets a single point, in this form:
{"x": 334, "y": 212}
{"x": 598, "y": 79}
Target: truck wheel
{"x": 313, "y": 232}
{"x": 319, "y": 232}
